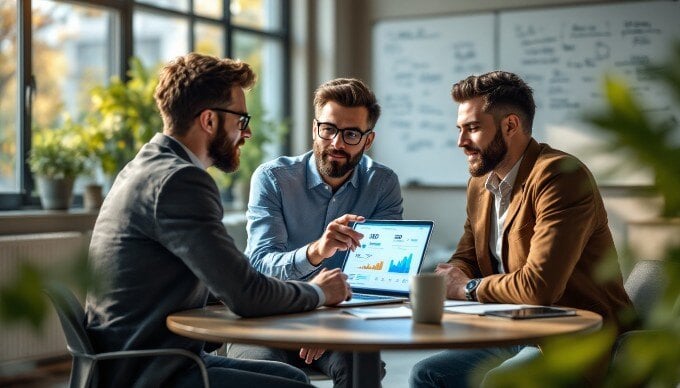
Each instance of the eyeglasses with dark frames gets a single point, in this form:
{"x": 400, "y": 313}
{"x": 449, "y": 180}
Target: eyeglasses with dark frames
{"x": 351, "y": 136}
{"x": 243, "y": 121}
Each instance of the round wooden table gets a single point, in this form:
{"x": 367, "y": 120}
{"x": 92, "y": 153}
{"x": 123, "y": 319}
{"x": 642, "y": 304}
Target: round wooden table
{"x": 330, "y": 328}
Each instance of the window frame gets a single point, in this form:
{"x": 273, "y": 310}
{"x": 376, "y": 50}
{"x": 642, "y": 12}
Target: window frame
{"x": 23, "y": 198}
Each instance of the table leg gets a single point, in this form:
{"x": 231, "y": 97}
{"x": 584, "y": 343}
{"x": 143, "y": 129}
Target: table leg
{"x": 366, "y": 370}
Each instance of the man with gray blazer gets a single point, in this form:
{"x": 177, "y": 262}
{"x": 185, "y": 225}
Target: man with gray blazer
{"x": 160, "y": 242}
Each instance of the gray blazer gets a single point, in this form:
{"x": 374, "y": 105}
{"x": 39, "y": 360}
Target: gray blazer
{"x": 160, "y": 243}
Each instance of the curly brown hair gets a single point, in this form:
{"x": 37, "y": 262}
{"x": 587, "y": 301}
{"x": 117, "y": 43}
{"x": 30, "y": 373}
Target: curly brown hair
{"x": 503, "y": 93}
{"x": 194, "y": 82}
{"x": 348, "y": 92}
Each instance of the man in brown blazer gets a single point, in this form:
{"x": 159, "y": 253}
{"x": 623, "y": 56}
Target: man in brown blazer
{"x": 536, "y": 227}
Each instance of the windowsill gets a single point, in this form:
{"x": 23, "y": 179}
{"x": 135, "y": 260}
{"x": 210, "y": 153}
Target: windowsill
{"x": 46, "y": 221}
{"x": 79, "y": 220}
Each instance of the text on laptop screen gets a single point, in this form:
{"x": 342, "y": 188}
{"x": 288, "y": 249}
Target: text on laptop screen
{"x": 389, "y": 254}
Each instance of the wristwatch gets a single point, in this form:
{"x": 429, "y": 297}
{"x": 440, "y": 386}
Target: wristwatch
{"x": 471, "y": 289}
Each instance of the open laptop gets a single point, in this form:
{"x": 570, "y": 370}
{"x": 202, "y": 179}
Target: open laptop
{"x": 379, "y": 271}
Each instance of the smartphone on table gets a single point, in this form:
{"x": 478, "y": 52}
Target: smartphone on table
{"x": 532, "y": 312}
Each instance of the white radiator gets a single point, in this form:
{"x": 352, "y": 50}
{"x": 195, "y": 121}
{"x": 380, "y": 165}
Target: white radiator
{"x": 20, "y": 342}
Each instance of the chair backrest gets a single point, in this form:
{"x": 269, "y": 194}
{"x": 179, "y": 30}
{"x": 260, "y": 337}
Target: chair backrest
{"x": 72, "y": 317}
{"x": 645, "y": 284}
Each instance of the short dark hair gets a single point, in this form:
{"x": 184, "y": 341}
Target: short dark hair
{"x": 194, "y": 82}
{"x": 348, "y": 92}
{"x": 503, "y": 93}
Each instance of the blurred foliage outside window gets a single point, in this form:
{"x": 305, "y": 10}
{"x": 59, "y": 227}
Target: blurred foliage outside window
{"x": 123, "y": 117}
{"x": 8, "y": 91}
{"x": 257, "y": 14}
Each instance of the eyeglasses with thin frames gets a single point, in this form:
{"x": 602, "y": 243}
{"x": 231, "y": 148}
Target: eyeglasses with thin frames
{"x": 243, "y": 121}
{"x": 351, "y": 136}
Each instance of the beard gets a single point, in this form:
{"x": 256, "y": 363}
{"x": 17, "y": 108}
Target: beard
{"x": 225, "y": 156}
{"x": 335, "y": 169}
{"x": 490, "y": 156}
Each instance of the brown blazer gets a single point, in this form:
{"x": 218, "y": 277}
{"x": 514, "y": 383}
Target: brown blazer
{"x": 555, "y": 237}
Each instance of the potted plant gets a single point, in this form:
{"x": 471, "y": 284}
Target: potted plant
{"x": 123, "y": 117}
{"x": 57, "y": 157}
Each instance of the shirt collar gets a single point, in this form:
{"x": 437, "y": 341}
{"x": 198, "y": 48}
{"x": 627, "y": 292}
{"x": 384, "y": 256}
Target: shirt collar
{"x": 192, "y": 156}
{"x": 314, "y": 177}
{"x": 495, "y": 185}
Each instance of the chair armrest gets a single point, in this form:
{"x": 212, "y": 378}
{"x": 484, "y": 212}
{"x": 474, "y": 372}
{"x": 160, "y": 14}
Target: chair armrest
{"x": 150, "y": 353}
{"x": 624, "y": 339}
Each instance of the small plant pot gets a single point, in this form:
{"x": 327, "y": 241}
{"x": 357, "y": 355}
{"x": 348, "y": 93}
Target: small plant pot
{"x": 55, "y": 194}
{"x": 93, "y": 197}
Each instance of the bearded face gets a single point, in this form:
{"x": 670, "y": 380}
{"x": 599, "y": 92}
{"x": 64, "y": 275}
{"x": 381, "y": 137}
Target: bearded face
{"x": 487, "y": 158}
{"x": 335, "y": 163}
{"x": 224, "y": 153}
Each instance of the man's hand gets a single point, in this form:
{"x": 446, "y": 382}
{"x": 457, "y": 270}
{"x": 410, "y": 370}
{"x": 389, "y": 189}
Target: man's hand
{"x": 456, "y": 280}
{"x": 338, "y": 236}
{"x": 310, "y": 355}
{"x": 334, "y": 285}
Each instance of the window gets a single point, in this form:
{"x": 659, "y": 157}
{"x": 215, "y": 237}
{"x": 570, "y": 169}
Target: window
{"x": 49, "y": 68}
{"x": 258, "y": 14}
{"x": 9, "y": 171}
{"x": 209, "y": 38}
{"x": 159, "y": 38}
{"x": 266, "y": 57}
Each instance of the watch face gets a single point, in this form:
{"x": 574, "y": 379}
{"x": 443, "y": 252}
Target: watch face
{"x": 471, "y": 284}
{"x": 470, "y": 289}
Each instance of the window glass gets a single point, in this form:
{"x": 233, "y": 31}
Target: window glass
{"x": 259, "y": 14}
{"x": 264, "y": 100}
{"x": 266, "y": 57}
{"x": 159, "y": 38}
{"x": 8, "y": 96}
{"x": 179, "y": 5}
{"x": 72, "y": 53}
{"x": 209, "y": 39}
{"x": 210, "y": 8}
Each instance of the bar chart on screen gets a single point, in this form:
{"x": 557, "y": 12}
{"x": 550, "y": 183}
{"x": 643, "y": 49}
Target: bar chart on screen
{"x": 402, "y": 266}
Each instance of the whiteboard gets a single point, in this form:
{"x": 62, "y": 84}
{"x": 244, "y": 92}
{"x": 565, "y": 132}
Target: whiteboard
{"x": 563, "y": 55}
{"x": 415, "y": 63}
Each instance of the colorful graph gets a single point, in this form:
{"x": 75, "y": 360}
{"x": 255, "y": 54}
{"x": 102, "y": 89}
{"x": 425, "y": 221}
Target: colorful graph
{"x": 402, "y": 266}
{"x": 375, "y": 267}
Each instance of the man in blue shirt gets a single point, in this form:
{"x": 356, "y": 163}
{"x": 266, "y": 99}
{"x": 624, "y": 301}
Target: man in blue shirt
{"x": 301, "y": 207}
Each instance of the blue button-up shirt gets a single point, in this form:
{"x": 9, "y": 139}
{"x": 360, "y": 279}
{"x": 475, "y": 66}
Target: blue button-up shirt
{"x": 290, "y": 206}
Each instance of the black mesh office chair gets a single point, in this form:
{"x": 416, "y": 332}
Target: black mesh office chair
{"x": 83, "y": 369}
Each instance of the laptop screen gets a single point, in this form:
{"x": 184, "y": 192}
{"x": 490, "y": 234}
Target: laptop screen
{"x": 390, "y": 253}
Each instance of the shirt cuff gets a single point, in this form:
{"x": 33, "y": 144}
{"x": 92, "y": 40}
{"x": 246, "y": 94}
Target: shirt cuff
{"x": 302, "y": 265}
{"x": 322, "y": 296}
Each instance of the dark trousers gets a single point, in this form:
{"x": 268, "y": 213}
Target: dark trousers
{"x": 227, "y": 372}
{"x": 336, "y": 365}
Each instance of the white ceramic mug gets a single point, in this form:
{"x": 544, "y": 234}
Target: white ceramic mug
{"x": 428, "y": 292}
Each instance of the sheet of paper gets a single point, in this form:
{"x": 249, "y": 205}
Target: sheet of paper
{"x": 379, "y": 313}
{"x": 452, "y": 303}
{"x": 480, "y": 308}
